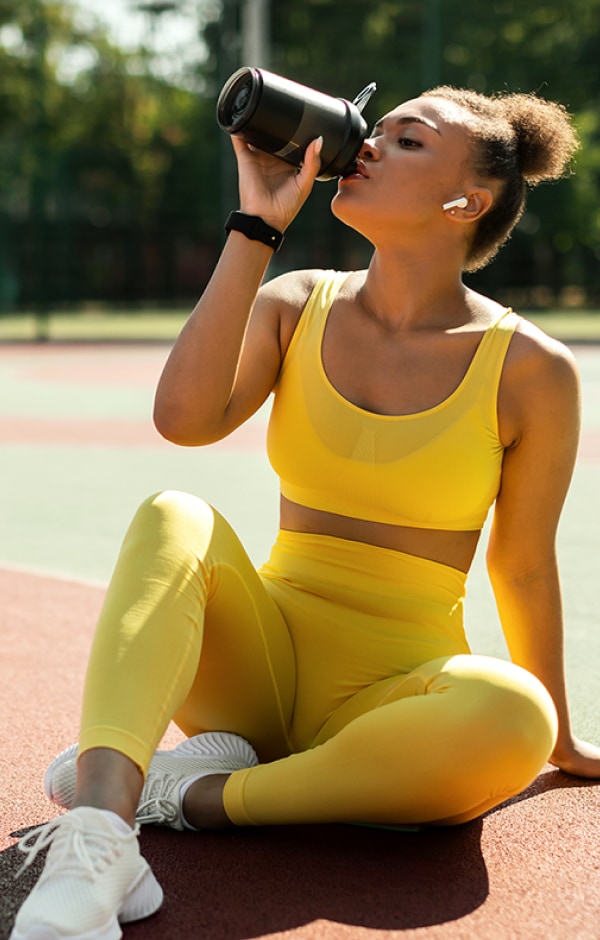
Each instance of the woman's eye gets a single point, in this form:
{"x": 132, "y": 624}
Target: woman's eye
{"x": 408, "y": 142}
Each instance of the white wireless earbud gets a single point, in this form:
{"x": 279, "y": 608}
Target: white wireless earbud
{"x": 460, "y": 203}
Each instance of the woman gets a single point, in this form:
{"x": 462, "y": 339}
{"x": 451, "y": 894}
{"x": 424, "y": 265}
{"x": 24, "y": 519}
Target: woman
{"x": 337, "y": 685}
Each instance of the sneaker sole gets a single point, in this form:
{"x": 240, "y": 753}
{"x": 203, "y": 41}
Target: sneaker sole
{"x": 218, "y": 745}
{"x": 144, "y": 898}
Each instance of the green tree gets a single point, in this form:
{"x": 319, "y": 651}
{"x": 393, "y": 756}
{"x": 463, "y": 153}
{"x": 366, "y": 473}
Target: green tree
{"x": 114, "y": 181}
{"x": 517, "y": 45}
{"x": 100, "y": 161}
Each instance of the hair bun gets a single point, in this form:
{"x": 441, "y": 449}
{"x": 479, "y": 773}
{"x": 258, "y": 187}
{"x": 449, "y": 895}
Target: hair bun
{"x": 544, "y": 135}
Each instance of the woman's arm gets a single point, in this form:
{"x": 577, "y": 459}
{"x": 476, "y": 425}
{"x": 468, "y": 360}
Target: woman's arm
{"x": 227, "y": 357}
{"x": 543, "y": 396}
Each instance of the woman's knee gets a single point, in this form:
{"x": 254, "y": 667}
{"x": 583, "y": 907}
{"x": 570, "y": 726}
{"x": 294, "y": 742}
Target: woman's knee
{"x": 169, "y": 505}
{"x": 509, "y": 706}
{"x": 175, "y": 515}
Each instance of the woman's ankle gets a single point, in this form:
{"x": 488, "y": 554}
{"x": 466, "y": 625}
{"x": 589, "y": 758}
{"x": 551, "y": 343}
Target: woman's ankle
{"x": 202, "y": 804}
{"x": 107, "y": 779}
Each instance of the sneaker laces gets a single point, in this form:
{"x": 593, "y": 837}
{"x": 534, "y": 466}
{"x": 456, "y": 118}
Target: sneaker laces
{"x": 159, "y": 807}
{"x": 161, "y": 804}
{"x": 78, "y": 848}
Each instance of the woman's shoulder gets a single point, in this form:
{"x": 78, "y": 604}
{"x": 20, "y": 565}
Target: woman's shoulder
{"x": 532, "y": 350}
{"x": 540, "y": 381}
{"x": 536, "y": 353}
{"x": 293, "y": 288}
{"x": 289, "y": 294}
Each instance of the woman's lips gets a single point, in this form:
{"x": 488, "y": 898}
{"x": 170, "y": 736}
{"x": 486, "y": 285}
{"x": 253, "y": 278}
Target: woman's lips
{"x": 358, "y": 172}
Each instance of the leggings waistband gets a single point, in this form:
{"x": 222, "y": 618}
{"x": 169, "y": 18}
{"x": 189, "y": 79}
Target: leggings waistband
{"x": 310, "y": 558}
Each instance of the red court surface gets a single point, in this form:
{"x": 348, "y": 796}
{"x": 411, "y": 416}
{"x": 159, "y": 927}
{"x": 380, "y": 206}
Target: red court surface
{"x": 528, "y": 870}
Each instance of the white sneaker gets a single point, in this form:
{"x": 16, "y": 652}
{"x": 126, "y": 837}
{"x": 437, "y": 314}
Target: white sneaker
{"x": 216, "y": 752}
{"x": 94, "y": 877}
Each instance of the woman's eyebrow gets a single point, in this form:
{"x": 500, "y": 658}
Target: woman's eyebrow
{"x": 411, "y": 119}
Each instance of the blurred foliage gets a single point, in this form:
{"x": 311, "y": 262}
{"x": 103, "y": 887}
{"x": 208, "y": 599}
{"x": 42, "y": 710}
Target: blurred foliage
{"x": 114, "y": 181}
{"x": 550, "y": 48}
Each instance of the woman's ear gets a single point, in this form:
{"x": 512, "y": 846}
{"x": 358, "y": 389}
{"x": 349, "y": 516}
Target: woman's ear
{"x": 470, "y": 207}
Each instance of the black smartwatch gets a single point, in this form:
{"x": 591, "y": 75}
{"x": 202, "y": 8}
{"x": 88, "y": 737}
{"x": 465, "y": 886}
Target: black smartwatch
{"x": 253, "y": 227}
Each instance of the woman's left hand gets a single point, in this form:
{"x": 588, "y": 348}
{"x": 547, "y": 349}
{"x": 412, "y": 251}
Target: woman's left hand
{"x": 578, "y": 758}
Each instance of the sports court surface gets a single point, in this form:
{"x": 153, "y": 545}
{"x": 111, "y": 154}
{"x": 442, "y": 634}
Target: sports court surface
{"x": 77, "y": 454}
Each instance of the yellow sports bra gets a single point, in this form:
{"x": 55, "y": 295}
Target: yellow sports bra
{"x": 438, "y": 469}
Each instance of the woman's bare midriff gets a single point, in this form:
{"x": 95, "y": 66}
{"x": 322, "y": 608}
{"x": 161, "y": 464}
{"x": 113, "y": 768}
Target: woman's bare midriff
{"x": 455, "y": 549}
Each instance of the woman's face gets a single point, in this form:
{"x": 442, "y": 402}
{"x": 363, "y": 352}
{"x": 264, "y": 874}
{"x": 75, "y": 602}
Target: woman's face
{"x": 416, "y": 159}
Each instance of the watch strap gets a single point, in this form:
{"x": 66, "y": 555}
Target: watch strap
{"x": 254, "y": 228}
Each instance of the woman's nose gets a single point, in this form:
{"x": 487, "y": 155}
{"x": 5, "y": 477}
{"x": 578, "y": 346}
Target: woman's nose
{"x": 369, "y": 151}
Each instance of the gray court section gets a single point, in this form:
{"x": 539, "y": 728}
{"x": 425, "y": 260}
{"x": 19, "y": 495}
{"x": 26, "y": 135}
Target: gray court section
{"x": 64, "y": 505}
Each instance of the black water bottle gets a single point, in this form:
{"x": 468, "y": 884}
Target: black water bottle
{"x": 281, "y": 117}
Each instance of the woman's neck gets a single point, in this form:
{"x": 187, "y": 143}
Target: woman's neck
{"x": 407, "y": 293}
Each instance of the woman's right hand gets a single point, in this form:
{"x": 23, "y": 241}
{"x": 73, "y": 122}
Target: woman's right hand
{"x": 271, "y": 188}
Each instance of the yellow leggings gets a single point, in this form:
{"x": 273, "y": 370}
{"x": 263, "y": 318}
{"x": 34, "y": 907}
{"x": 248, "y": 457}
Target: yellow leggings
{"x": 345, "y": 665}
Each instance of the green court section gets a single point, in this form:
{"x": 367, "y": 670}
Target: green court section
{"x": 65, "y": 508}
{"x": 78, "y": 453}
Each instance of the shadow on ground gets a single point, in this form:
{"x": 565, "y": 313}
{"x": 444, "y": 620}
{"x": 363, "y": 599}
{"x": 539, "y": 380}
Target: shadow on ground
{"x": 256, "y": 882}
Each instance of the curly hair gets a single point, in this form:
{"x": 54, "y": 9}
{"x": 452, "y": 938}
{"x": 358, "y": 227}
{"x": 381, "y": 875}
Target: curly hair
{"x": 519, "y": 140}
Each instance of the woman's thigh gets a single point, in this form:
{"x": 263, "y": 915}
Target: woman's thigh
{"x": 245, "y": 680}
{"x": 441, "y": 745}
{"x": 463, "y": 733}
